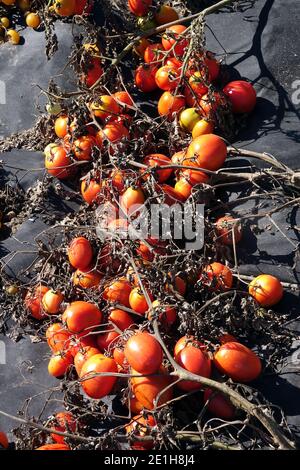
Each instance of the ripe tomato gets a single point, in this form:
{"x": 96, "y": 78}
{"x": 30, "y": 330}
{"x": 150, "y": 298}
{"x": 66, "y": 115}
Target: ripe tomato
{"x": 118, "y": 178}
{"x": 165, "y": 14}
{"x": 93, "y": 73}
{"x": 227, "y": 338}
{"x": 147, "y": 389}
{"x": 33, "y": 20}
{"x": 106, "y": 341}
{"x": 189, "y": 118}
{"x": 186, "y": 341}
{"x": 267, "y": 290}
{"x": 54, "y": 447}
{"x": 134, "y": 405}
{"x": 3, "y": 440}
{"x": 209, "y": 150}
{"x": 219, "y": 405}
{"x": 153, "y": 54}
{"x": 107, "y": 259}
{"x": 171, "y": 196}
{"x": 158, "y": 159}
{"x": 120, "y": 319}
{"x": 58, "y": 163}
{"x": 139, "y": 7}
{"x": 197, "y": 83}
{"x": 61, "y": 126}
{"x": 242, "y": 96}
{"x": 167, "y": 78}
{"x": 212, "y": 65}
{"x": 224, "y": 227}
{"x": 115, "y": 132}
{"x": 166, "y": 314}
{"x": 64, "y": 422}
{"x": 33, "y": 301}
{"x": 52, "y": 301}
{"x": 173, "y": 39}
{"x": 13, "y": 37}
{"x": 193, "y": 176}
{"x": 99, "y": 386}
{"x": 82, "y": 316}
{"x": 183, "y": 187}
{"x": 238, "y": 362}
{"x": 141, "y": 46}
{"x": 192, "y": 99}
{"x": 145, "y": 78}
{"x": 83, "y": 6}
{"x": 217, "y": 276}
{"x": 58, "y": 338}
{"x": 143, "y": 353}
{"x": 83, "y": 147}
{"x": 138, "y": 302}
{"x": 80, "y": 253}
{"x": 177, "y": 283}
{"x": 82, "y": 356}
{"x": 79, "y": 342}
{"x": 209, "y": 105}
{"x": 141, "y": 426}
{"x": 148, "y": 254}
{"x": 178, "y": 157}
{"x": 91, "y": 190}
{"x": 87, "y": 278}
{"x": 118, "y": 291}
{"x": 193, "y": 359}
{"x": 169, "y": 105}
{"x": 124, "y": 100}
{"x": 173, "y": 62}
{"x": 64, "y": 7}
{"x": 119, "y": 357}
{"x": 202, "y": 127}
{"x": 132, "y": 200}
{"x": 105, "y": 106}
{"x": 60, "y": 363}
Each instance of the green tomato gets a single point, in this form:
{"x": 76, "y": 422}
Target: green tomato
{"x": 53, "y": 109}
{"x": 145, "y": 23}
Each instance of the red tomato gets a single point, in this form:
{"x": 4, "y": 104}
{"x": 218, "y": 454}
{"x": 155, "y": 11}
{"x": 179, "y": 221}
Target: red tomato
{"x": 119, "y": 357}
{"x": 166, "y": 14}
{"x": 210, "y": 105}
{"x": 178, "y": 157}
{"x": 141, "y": 426}
{"x": 98, "y": 386}
{"x": 197, "y": 83}
{"x": 238, "y": 362}
{"x": 58, "y": 338}
{"x": 147, "y": 389}
{"x": 219, "y": 405}
{"x": 166, "y": 314}
{"x": 153, "y": 54}
{"x": 80, "y": 253}
{"x": 242, "y": 96}
{"x": 143, "y": 353}
{"x": 60, "y": 363}
{"x": 139, "y": 7}
{"x": 64, "y": 422}
{"x": 209, "y": 150}
{"x": 224, "y": 227}
{"x": 120, "y": 319}
{"x": 82, "y": 316}
{"x": 91, "y": 190}
{"x": 124, "y": 100}
{"x": 147, "y": 254}
{"x": 132, "y": 200}
{"x": 105, "y": 106}
{"x": 61, "y": 126}
{"x": 79, "y": 342}
{"x": 58, "y": 163}
{"x": 52, "y": 301}
{"x": 194, "y": 176}
{"x": 167, "y": 78}
{"x": 115, "y": 132}
{"x": 145, "y": 78}
{"x": 87, "y": 278}
{"x": 173, "y": 36}
{"x": 183, "y": 187}
{"x": 194, "y": 360}
{"x": 186, "y": 341}
{"x": 171, "y": 196}
{"x": 267, "y": 290}
{"x": 93, "y": 73}
{"x": 173, "y": 62}
{"x": 82, "y": 356}
{"x": 217, "y": 276}
{"x": 3, "y": 440}
{"x": 156, "y": 160}
{"x": 33, "y": 301}
{"x": 106, "y": 341}
{"x": 83, "y": 6}
{"x": 138, "y": 302}
{"x": 83, "y": 147}
{"x": 169, "y": 105}
{"x": 54, "y": 447}
{"x": 202, "y": 127}
{"x": 118, "y": 292}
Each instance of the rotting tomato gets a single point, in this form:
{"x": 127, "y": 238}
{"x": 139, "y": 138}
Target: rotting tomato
{"x": 238, "y": 362}
{"x": 167, "y": 78}
{"x": 169, "y": 105}
{"x": 226, "y": 226}
{"x": 173, "y": 39}
{"x": 118, "y": 291}
{"x": 148, "y": 389}
{"x": 139, "y": 7}
{"x": 242, "y": 96}
{"x": 141, "y": 426}
{"x": 80, "y": 253}
{"x": 87, "y": 278}
{"x": 156, "y": 160}
{"x": 63, "y": 422}
{"x": 218, "y": 405}
{"x": 194, "y": 359}
{"x": 106, "y": 341}
{"x": 58, "y": 338}
{"x": 145, "y": 78}
{"x": 267, "y": 290}
{"x": 120, "y": 319}
{"x": 80, "y": 316}
{"x": 33, "y": 301}
{"x": 52, "y": 301}
{"x": 98, "y": 386}
{"x": 138, "y": 301}
{"x": 60, "y": 363}
{"x": 143, "y": 353}
{"x": 209, "y": 150}
{"x": 217, "y": 276}
{"x": 82, "y": 356}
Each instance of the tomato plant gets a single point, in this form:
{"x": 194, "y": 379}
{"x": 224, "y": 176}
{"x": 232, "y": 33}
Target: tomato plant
{"x": 138, "y": 301}
{"x": 60, "y": 363}
{"x": 167, "y": 78}
{"x": 58, "y": 163}
{"x": 91, "y": 190}
{"x": 58, "y": 338}
{"x": 169, "y": 105}
{"x": 87, "y": 278}
{"x": 153, "y": 54}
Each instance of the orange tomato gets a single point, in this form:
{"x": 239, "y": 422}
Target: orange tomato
{"x": 64, "y": 7}
{"x": 124, "y": 99}
{"x": 193, "y": 176}
{"x": 156, "y": 160}
{"x": 165, "y": 14}
{"x": 119, "y": 357}
{"x": 267, "y": 290}
{"x": 118, "y": 291}
{"x": 105, "y": 106}
{"x": 194, "y": 359}
{"x": 91, "y": 190}
{"x": 64, "y": 422}
{"x": 169, "y": 105}
{"x": 80, "y": 316}
{"x": 132, "y": 200}
{"x": 52, "y": 301}
{"x": 83, "y": 147}
{"x": 238, "y": 362}
{"x": 138, "y": 302}
{"x": 178, "y": 157}
{"x": 60, "y": 363}
{"x": 224, "y": 227}
{"x": 171, "y": 196}
{"x": 197, "y": 83}
{"x": 87, "y": 278}
{"x": 143, "y": 353}
{"x": 80, "y": 253}
{"x": 167, "y": 78}
{"x": 98, "y": 386}
{"x": 121, "y": 319}
{"x": 58, "y": 338}
{"x": 115, "y": 132}
{"x": 139, "y": 7}
{"x": 141, "y": 426}
{"x": 153, "y": 54}
{"x": 217, "y": 276}
{"x": 209, "y": 150}
{"x": 145, "y": 78}
{"x": 33, "y": 301}
{"x": 148, "y": 389}
{"x": 58, "y": 163}
{"x": 183, "y": 187}
{"x": 173, "y": 38}
{"x": 82, "y": 356}
{"x": 202, "y": 127}
{"x": 186, "y": 341}
{"x": 135, "y": 406}
{"x": 61, "y": 126}
{"x": 106, "y": 341}
{"x": 54, "y": 447}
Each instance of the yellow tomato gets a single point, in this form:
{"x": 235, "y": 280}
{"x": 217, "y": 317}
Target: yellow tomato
{"x": 189, "y": 118}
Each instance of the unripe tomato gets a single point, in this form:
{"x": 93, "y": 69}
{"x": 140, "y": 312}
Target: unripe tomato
{"x": 83, "y": 147}
{"x": 82, "y": 356}
{"x": 145, "y": 78}
{"x": 217, "y": 276}
{"x": 242, "y": 96}
{"x": 183, "y": 187}
{"x": 98, "y": 386}
{"x": 158, "y": 159}
{"x": 58, "y": 338}
{"x": 118, "y": 291}
{"x": 165, "y": 14}
{"x": 193, "y": 176}
{"x": 219, "y": 405}
{"x": 93, "y": 73}
{"x": 64, "y": 422}
{"x": 33, "y": 20}
{"x": 143, "y": 353}
{"x": 64, "y": 7}
{"x": 54, "y": 447}
{"x": 3, "y": 440}
{"x": 141, "y": 426}
{"x": 147, "y": 389}
{"x": 91, "y": 190}
{"x": 138, "y": 302}
{"x": 141, "y": 46}
{"x": 173, "y": 36}
{"x": 82, "y": 316}
{"x": 58, "y": 163}
{"x": 132, "y": 200}
{"x": 169, "y": 105}
{"x": 202, "y": 127}
{"x": 267, "y": 290}
{"x": 52, "y": 301}
{"x": 13, "y": 36}
{"x": 139, "y": 7}
{"x": 60, "y": 363}
{"x": 120, "y": 319}
{"x": 33, "y": 301}
{"x": 153, "y": 54}
{"x": 167, "y": 78}
{"x": 124, "y": 100}
{"x": 209, "y": 150}
{"x": 193, "y": 359}
{"x": 105, "y": 106}
{"x": 238, "y": 362}
{"x": 167, "y": 314}
{"x": 80, "y": 253}
{"x": 189, "y": 118}
{"x": 106, "y": 341}
{"x": 224, "y": 227}
{"x": 87, "y": 278}
{"x": 61, "y": 126}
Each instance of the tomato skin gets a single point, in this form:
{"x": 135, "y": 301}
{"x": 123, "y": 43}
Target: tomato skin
{"x": 114, "y": 132}
{"x": 59, "y": 364}
{"x": 169, "y": 105}
{"x": 166, "y": 14}
{"x": 189, "y": 118}
{"x": 65, "y": 422}
{"x": 143, "y": 353}
{"x": 121, "y": 319}
{"x": 105, "y": 106}
{"x": 267, "y": 290}
{"x": 93, "y": 73}
{"x": 61, "y": 126}
{"x": 118, "y": 292}
{"x": 106, "y": 341}
{"x": 52, "y": 301}
{"x": 186, "y": 341}
{"x": 178, "y": 157}
{"x": 242, "y": 96}
{"x": 172, "y": 36}
{"x": 193, "y": 176}
{"x": 217, "y": 276}
{"x": 197, "y": 84}
{"x": 58, "y": 338}
{"x": 82, "y": 356}
{"x": 3, "y": 440}
{"x": 158, "y": 159}
{"x": 209, "y": 150}
{"x": 183, "y": 187}
{"x": 238, "y": 362}
{"x": 167, "y": 317}
{"x": 194, "y": 360}
{"x": 210, "y": 106}
{"x": 119, "y": 357}
{"x": 139, "y": 7}
{"x": 80, "y": 253}
{"x": 224, "y": 227}
{"x": 80, "y": 316}
{"x": 83, "y": 147}
{"x": 124, "y": 100}
{"x": 99, "y": 386}
{"x": 64, "y": 7}
{"x": 219, "y": 405}
{"x": 202, "y": 127}
{"x": 138, "y": 302}
{"x": 167, "y": 78}
{"x": 132, "y": 199}
{"x": 58, "y": 163}
{"x": 88, "y": 278}
{"x": 54, "y": 447}
{"x": 135, "y": 406}
{"x": 153, "y": 54}
{"x": 145, "y": 78}
{"x": 146, "y": 389}
{"x": 171, "y": 196}
{"x": 79, "y": 342}
{"x": 33, "y": 301}
{"x": 91, "y": 190}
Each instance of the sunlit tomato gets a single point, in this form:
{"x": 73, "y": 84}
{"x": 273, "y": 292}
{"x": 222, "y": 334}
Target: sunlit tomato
{"x": 143, "y": 353}
{"x": 227, "y": 338}
{"x": 91, "y": 190}
{"x": 145, "y": 78}
{"x": 187, "y": 341}
{"x": 61, "y": 126}
{"x": 156, "y": 160}
{"x": 165, "y": 14}
{"x": 83, "y": 147}
{"x": 194, "y": 176}
{"x": 173, "y": 62}
{"x": 197, "y": 83}
{"x": 242, "y": 96}
{"x": 134, "y": 405}
{"x": 141, "y": 46}
{"x": 166, "y": 314}
{"x": 52, "y": 301}
{"x": 87, "y": 278}
{"x": 115, "y": 132}
{"x": 141, "y": 426}
{"x": 82, "y": 316}
{"x": 120, "y": 319}
{"x": 58, "y": 163}
{"x": 33, "y": 301}
{"x": 106, "y": 341}
{"x": 178, "y": 157}
{"x": 79, "y": 342}
{"x": 148, "y": 253}
{"x": 119, "y": 357}
{"x": 238, "y": 362}
{"x": 93, "y": 73}
{"x": 174, "y": 39}
{"x": 63, "y": 422}
{"x": 139, "y": 7}
{"x": 147, "y": 389}
{"x": 167, "y": 78}
{"x": 64, "y": 7}
{"x": 54, "y": 447}
{"x": 138, "y": 302}
{"x": 118, "y": 291}
{"x": 219, "y": 405}
{"x": 58, "y": 338}
{"x": 217, "y": 276}
{"x": 209, "y": 105}
{"x": 193, "y": 359}
{"x": 171, "y": 196}
{"x": 202, "y": 127}
{"x": 83, "y": 6}
{"x": 3, "y": 440}
{"x": 105, "y": 106}
{"x": 267, "y": 290}
{"x": 183, "y": 187}
{"x": 189, "y": 118}
{"x": 82, "y": 356}
{"x": 60, "y": 363}
{"x": 192, "y": 99}
{"x": 153, "y": 54}
{"x": 209, "y": 150}
{"x": 132, "y": 200}
{"x": 118, "y": 178}
{"x": 4, "y": 21}
{"x": 13, "y": 36}
{"x": 80, "y": 253}
{"x": 98, "y": 386}
{"x": 169, "y": 105}
{"x": 124, "y": 100}
{"x": 225, "y": 226}
{"x": 212, "y": 65}
{"x": 33, "y": 20}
